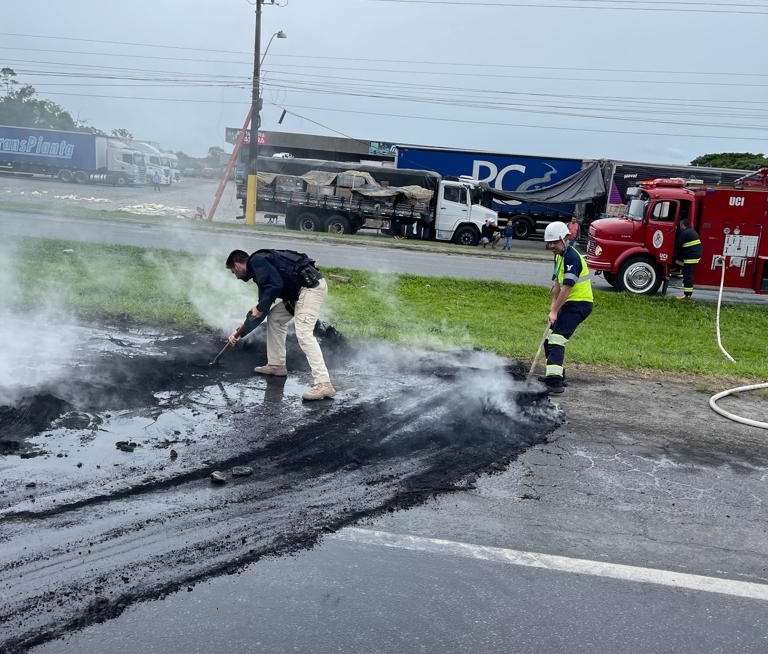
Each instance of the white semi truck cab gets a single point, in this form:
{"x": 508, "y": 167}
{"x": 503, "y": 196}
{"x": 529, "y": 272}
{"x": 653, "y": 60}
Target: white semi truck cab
{"x": 460, "y": 212}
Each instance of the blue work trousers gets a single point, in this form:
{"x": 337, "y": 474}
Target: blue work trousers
{"x": 570, "y": 316}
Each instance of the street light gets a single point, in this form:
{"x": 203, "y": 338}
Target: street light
{"x": 279, "y": 35}
{"x": 253, "y": 149}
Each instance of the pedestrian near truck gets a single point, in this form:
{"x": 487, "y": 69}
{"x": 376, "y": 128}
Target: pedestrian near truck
{"x": 570, "y": 305}
{"x": 489, "y": 234}
{"x": 573, "y": 230}
{"x": 508, "y": 233}
{"x": 293, "y": 278}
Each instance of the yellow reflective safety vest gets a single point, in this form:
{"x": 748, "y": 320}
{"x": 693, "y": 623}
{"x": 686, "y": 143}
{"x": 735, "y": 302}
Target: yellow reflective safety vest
{"x": 571, "y": 266}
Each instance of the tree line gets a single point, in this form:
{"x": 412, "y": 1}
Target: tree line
{"x": 19, "y": 106}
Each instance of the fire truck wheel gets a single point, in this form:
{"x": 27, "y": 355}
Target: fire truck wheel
{"x": 610, "y": 278}
{"x": 640, "y": 276}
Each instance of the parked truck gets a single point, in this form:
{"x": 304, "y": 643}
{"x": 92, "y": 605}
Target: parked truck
{"x": 526, "y": 174}
{"x": 635, "y": 251}
{"x": 502, "y": 172}
{"x": 619, "y": 176}
{"x": 343, "y": 197}
{"x": 155, "y": 161}
{"x": 71, "y": 156}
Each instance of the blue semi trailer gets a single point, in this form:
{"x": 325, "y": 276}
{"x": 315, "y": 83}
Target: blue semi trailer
{"x": 506, "y": 172}
{"x": 70, "y": 156}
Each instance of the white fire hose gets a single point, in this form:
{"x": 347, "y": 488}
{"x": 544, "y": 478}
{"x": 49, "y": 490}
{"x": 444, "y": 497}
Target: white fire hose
{"x": 739, "y": 389}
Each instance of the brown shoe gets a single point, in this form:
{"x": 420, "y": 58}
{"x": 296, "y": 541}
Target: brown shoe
{"x": 270, "y": 369}
{"x": 319, "y": 392}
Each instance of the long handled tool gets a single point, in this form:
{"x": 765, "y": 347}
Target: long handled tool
{"x": 246, "y": 328}
{"x": 532, "y": 369}
{"x": 221, "y": 353}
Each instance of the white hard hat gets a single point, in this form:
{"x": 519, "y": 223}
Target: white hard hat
{"x": 555, "y": 232}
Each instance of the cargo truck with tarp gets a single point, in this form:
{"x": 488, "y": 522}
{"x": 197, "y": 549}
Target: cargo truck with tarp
{"x": 341, "y": 197}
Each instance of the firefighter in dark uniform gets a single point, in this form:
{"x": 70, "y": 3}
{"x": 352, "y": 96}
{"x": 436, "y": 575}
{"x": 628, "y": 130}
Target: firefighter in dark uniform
{"x": 688, "y": 254}
{"x": 571, "y": 302}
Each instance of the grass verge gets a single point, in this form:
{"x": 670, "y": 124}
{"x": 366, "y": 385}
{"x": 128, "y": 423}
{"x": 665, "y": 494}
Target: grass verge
{"x": 624, "y": 332}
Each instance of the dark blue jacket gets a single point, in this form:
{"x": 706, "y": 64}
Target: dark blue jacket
{"x": 276, "y": 277}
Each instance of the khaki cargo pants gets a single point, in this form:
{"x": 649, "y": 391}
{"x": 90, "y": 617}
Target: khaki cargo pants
{"x": 305, "y": 316}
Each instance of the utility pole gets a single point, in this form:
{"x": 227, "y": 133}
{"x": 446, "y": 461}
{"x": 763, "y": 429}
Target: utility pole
{"x": 253, "y": 149}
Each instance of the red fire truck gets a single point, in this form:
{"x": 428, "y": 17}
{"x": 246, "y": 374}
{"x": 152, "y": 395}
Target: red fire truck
{"x": 635, "y": 252}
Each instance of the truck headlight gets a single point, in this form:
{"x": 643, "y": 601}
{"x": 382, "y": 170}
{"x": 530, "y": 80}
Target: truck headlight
{"x": 598, "y": 250}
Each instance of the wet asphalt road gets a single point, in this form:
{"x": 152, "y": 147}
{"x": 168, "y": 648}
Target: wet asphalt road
{"x": 659, "y": 501}
{"x": 350, "y": 597}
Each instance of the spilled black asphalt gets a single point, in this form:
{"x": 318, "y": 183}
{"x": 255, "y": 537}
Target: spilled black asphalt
{"x": 90, "y": 527}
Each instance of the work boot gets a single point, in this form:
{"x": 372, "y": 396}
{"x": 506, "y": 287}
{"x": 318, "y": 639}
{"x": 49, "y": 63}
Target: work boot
{"x": 543, "y": 380}
{"x": 271, "y": 369}
{"x": 319, "y": 391}
{"x": 553, "y": 389}
{"x": 683, "y": 297}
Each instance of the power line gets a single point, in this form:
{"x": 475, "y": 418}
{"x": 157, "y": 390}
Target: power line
{"x": 410, "y": 62}
{"x": 548, "y": 127}
{"x": 609, "y": 5}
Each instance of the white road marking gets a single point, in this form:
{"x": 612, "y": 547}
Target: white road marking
{"x": 732, "y": 587}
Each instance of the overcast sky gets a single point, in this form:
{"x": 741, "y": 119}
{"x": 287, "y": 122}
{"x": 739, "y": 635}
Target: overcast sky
{"x": 660, "y": 81}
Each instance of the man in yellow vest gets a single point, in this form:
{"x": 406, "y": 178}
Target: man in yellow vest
{"x": 571, "y": 302}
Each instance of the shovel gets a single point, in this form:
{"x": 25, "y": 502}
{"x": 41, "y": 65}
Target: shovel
{"x": 246, "y": 328}
{"x": 221, "y": 353}
{"x": 532, "y": 369}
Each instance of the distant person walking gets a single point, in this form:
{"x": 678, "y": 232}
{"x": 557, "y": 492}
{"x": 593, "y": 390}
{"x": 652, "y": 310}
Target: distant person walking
{"x": 573, "y": 230}
{"x": 156, "y": 181}
{"x": 508, "y": 233}
{"x": 688, "y": 254}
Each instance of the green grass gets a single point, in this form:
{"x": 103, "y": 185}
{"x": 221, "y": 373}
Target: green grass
{"x": 624, "y": 332}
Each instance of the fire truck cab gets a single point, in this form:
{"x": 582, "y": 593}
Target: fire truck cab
{"x": 635, "y": 252}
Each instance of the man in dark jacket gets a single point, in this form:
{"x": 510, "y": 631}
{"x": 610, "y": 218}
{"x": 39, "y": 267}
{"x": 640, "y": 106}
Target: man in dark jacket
{"x": 489, "y": 234}
{"x": 688, "y": 253}
{"x": 292, "y": 277}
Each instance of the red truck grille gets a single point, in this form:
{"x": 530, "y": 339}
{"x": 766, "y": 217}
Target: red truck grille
{"x": 591, "y": 246}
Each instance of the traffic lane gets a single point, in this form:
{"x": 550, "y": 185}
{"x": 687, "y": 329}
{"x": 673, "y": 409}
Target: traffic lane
{"x": 347, "y": 596}
{"x": 219, "y": 242}
{"x": 464, "y": 264}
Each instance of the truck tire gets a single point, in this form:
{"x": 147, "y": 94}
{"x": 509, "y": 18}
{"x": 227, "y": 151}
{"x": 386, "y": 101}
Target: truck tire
{"x": 338, "y": 224}
{"x": 121, "y": 180}
{"x": 466, "y": 235}
{"x": 610, "y": 278}
{"x": 639, "y": 275}
{"x": 65, "y": 175}
{"x": 524, "y": 228}
{"x": 81, "y": 177}
{"x": 309, "y": 222}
